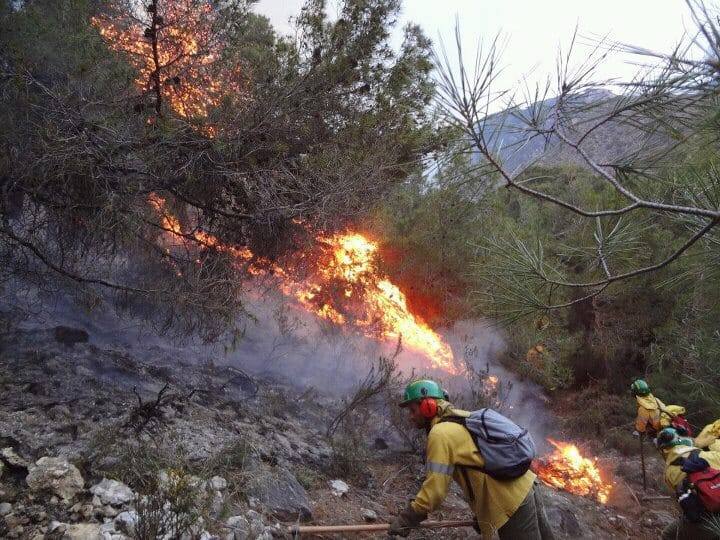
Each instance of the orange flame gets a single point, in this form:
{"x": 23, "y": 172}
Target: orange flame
{"x": 187, "y": 51}
{"x": 568, "y": 470}
{"x": 343, "y": 285}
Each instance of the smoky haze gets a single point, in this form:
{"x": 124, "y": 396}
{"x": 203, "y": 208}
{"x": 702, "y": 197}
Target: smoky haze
{"x": 285, "y": 343}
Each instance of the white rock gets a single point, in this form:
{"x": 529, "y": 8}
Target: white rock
{"x": 5, "y": 509}
{"x": 12, "y": 458}
{"x": 126, "y": 522}
{"x": 57, "y": 475}
{"x": 368, "y": 515}
{"x": 339, "y": 488}
{"x": 53, "y": 525}
{"x": 113, "y": 492}
{"x": 218, "y": 483}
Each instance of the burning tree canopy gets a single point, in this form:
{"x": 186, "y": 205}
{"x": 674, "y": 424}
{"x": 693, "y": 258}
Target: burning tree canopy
{"x": 176, "y": 47}
{"x": 337, "y": 117}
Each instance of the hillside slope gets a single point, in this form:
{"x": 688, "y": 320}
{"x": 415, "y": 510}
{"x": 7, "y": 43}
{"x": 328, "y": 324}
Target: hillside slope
{"x": 158, "y": 447}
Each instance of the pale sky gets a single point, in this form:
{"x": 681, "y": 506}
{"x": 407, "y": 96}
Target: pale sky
{"x": 533, "y": 29}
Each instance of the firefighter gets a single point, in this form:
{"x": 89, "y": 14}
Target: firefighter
{"x": 510, "y": 507}
{"x": 679, "y": 452}
{"x": 652, "y": 414}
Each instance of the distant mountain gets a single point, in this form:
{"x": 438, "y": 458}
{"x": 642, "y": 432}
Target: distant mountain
{"x": 610, "y": 142}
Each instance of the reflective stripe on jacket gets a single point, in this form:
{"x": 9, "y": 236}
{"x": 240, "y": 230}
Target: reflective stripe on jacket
{"x": 451, "y": 455}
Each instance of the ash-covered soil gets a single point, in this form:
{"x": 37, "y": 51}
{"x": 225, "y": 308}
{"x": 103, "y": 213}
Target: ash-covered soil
{"x": 98, "y": 443}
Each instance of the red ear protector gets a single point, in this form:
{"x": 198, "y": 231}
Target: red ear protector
{"x": 428, "y": 408}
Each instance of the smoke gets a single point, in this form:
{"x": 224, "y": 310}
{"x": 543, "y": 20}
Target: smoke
{"x": 481, "y": 345}
{"x": 285, "y": 343}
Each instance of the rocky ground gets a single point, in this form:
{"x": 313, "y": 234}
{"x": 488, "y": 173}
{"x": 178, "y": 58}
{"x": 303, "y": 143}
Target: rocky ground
{"x": 95, "y": 443}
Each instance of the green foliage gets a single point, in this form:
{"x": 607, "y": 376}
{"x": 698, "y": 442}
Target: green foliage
{"x": 495, "y": 255}
{"x": 592, "y": 411}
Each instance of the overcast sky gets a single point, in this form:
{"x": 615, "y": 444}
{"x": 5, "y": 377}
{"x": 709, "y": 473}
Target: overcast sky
{"x": 534, "y": 29}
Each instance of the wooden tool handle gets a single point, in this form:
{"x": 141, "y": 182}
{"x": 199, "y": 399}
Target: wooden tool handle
{"x": 306, "y": 529}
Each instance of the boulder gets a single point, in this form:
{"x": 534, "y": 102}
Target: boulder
{"x": 280, "y": 492}
{"x": 112, "y": 492}
{"x": 55, "y": 474}
{"x": 5, "y": 509}
{"x": 368, "y": 515}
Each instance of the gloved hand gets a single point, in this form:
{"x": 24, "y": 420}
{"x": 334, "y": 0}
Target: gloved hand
{"x": 400, "y": 526}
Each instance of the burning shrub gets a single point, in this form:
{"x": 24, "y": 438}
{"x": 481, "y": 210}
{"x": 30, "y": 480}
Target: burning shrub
{"x": 567, "y": 469}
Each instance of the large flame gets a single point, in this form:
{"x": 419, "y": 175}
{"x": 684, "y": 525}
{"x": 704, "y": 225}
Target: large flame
{"x": 567, "y": 469}
{"x": 338, "y": 280}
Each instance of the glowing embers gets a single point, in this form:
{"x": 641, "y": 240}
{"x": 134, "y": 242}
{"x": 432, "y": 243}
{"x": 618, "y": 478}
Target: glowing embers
{"x": 176, "y": 53}
{"x": 565, "y": 468}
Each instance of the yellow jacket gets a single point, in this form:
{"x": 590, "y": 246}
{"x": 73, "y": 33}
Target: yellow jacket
{"x": 450, "y": 450}
{"x": 674, "y": 474}
{"x": 708, "y": 437}
{"x": 653, "y": 413}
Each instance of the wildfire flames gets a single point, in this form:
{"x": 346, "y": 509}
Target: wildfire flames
{"x": 338, "y": 280}
{"x": 176, "y": 49}
{"x": 568, "y": 470}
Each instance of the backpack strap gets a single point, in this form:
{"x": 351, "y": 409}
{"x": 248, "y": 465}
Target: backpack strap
{"x": 454, "y": 419}
{"x": 680, "y": 461}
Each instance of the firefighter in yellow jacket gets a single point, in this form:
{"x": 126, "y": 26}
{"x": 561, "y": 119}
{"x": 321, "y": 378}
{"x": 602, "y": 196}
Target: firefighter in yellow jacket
{"x": 652, "y": 414}
{"x": 673, "y": 445}
{"x": 509, "y": 507}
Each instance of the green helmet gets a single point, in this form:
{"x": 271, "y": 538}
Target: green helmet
{"x": 640, "y": 388}
{"x": 424, "y": 388}
{"x": 669, "y": 437}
